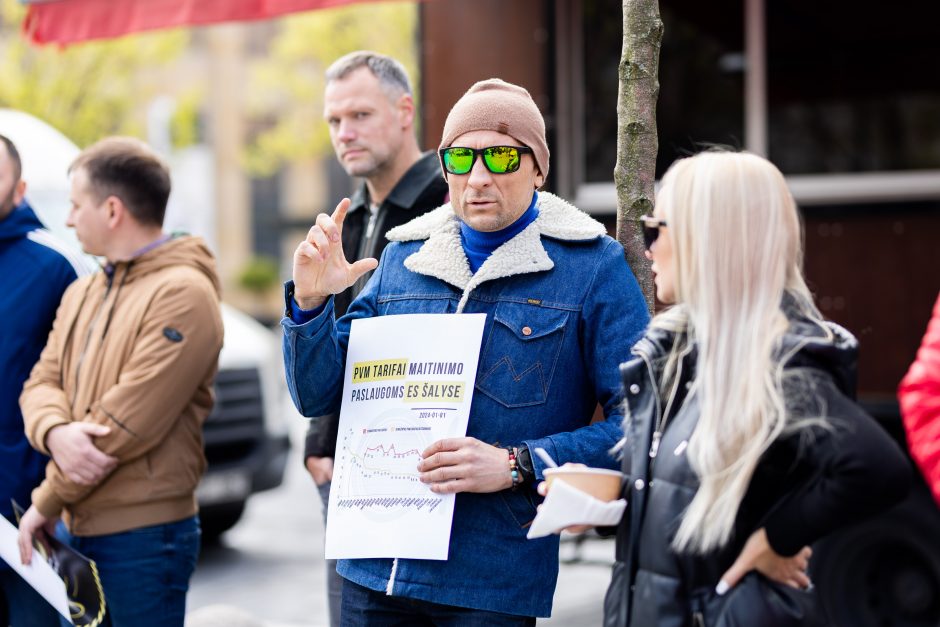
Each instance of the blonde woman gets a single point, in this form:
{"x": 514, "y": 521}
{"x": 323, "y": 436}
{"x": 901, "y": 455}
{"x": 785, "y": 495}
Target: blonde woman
{"x": 743, "y": 445}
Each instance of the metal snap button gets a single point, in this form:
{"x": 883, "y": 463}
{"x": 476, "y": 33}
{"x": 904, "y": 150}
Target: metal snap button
{"x": 638, "y": 484}
{"x": 527, "y": 331}
{"x": 634, "y": 389}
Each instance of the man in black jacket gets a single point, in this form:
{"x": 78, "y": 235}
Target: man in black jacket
{"x": 370, "y": 110}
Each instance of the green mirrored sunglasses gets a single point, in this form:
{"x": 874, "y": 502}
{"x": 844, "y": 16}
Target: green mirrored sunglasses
{"x": 497, "y": 159}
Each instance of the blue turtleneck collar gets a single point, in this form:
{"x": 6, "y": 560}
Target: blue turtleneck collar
{"x": 478, "y": 245}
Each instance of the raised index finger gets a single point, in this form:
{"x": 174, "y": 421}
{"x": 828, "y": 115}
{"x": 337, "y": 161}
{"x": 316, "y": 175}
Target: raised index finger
{"x": 339, "y": 215}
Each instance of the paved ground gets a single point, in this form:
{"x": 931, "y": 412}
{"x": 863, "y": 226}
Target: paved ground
{"x": 582, "y": 583}
{"x": 268, "y": 570}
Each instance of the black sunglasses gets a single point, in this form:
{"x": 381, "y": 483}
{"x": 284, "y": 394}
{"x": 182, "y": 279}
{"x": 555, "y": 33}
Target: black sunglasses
{"x": 651, "y": 228}
{"x": 497, "y": 159}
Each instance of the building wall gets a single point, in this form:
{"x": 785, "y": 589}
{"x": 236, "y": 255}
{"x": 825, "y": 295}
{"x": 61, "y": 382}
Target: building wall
{"x": 464, "y": 42}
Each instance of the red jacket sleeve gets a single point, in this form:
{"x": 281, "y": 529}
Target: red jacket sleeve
{"x": 919, "y": 394}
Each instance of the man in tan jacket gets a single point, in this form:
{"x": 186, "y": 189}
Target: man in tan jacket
{"x": 122, "y": 388}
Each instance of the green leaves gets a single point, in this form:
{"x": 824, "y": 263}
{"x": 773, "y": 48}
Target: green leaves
{"x": 285, "y": 92}
{"x": 89, "y": 90}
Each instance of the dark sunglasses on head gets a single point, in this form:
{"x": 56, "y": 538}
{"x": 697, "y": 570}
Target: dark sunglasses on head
{"x": 651, "y": 228}
{"x": 497, "y": 159}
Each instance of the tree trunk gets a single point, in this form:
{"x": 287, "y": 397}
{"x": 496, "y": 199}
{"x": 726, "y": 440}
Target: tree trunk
{"x": 637, "y": 144}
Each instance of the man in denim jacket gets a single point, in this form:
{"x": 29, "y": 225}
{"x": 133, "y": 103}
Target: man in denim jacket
{"x": 562, "y": 310}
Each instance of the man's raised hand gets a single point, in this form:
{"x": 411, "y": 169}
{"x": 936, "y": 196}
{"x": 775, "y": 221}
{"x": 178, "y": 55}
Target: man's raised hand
{"x": 320, "y": 266}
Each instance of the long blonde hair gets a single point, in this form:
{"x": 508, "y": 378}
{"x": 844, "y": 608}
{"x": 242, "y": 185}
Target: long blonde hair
{"x": 737, "y": 245}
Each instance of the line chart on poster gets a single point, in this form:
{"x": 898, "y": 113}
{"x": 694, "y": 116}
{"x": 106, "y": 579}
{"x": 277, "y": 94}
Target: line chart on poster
{"x": 378, "y": 466}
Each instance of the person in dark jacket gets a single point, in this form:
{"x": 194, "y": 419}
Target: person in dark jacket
{"x": 743, "y": 444}
{"x": 370, "y": 111}
{"x": 35, "y": 269}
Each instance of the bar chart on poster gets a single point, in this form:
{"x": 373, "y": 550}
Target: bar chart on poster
{"x": 408, "y": 383}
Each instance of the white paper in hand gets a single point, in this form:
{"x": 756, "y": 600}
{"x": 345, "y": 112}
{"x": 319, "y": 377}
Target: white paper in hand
{"x": 566, "y": 506}
{"x": 39, "y": 574}
{"x": 408, "y": 383}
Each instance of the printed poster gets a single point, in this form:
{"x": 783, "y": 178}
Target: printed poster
{"x": 408, "y": 383}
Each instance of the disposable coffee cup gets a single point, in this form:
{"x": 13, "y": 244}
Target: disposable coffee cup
{"x": 601, "y": 483}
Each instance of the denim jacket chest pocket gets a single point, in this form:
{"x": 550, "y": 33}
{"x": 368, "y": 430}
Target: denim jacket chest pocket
{"x": 392, "y": 305}
{"x": 521, "y": 351}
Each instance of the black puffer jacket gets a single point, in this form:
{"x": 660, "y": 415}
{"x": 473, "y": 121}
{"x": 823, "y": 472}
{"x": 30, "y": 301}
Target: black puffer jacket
{"x": 806, "y": 485}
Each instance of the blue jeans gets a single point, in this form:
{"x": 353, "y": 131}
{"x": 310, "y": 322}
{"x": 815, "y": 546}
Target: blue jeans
{"x": 21, "y": 605}
{"x": 363, "y": 607}
{"x": 144, "y": 572}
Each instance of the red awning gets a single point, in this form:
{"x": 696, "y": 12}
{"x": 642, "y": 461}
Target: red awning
{"x": 70, "y": 21}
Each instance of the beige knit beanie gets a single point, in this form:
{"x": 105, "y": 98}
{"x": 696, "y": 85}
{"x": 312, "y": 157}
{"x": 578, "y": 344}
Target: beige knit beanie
{"x": 495, "y": 105}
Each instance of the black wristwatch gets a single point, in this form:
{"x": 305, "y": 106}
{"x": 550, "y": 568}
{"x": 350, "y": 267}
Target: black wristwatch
{"x": 524, "y": 464}
{"x": 288, "y": 297}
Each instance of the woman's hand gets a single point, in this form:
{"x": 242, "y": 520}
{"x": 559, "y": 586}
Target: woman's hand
{"x": 542, "y": 488}
{"x": 758, "y": 555}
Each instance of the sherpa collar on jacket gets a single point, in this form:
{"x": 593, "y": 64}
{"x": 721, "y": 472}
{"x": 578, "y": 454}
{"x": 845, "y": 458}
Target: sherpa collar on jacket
{"x": 442, "y": 255}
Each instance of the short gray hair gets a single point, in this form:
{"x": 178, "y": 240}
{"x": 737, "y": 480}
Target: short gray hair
{"x": 391, "y": 73}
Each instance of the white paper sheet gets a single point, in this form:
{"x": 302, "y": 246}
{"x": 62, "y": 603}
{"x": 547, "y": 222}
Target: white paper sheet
{"x": 408, "y": 383}
{"x": 38, "y": 574}
{"x": 566, "y": 505}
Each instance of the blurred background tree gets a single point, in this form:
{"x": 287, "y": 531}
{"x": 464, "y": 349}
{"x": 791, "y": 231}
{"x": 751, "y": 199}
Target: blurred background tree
{"x": 285, "y": 98}
{"x": 259, "y": 275}
{"x": 90, "y": 90}
{"x": 101, "y": 88}
{"x": 237, "y": 110}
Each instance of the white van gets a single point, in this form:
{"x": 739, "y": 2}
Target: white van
{"x": 246, "y": 439}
